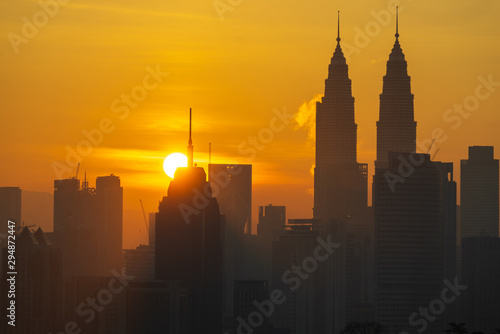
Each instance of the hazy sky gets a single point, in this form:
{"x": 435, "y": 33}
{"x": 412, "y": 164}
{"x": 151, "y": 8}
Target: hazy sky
{"x": 68, "y": 72}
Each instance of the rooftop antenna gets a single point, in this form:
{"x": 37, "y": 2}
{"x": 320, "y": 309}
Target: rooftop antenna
{"x": 338, "y": 26}
{"x": 397, "y": 15}
{"x": 77, "y": 169}
{"x": 190, "y": 143}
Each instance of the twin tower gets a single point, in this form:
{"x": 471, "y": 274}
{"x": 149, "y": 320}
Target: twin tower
{"x": 340, "y": 182}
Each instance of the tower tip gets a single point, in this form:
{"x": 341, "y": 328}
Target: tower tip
{"x": 338, "y": 26}
{"x": 397, "y": 23}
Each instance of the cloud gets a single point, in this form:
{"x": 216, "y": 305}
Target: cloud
{"x": 305, "y": 117}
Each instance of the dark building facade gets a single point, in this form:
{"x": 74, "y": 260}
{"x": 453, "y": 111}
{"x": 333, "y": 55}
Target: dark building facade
{"x": 189, "y": 247}
{"x": 232, "y": 186}
{"x": 10, "y": 209}
{"x": 479, "y": 193}
{"x": 88, "y": 225}
{"x": 480, "y": 303}
{"x": 409, "y": 242}
{"x": 340, "y": 191}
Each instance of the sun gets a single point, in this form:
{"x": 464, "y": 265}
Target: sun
{"x": 173, "y": 161}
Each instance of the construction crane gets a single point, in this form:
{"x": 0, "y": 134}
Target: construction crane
{"x": 430, "y": 146}
{"x": 76, "y": 174}
{"x": 144, "y": 215}
{"x": 435, "y": 154}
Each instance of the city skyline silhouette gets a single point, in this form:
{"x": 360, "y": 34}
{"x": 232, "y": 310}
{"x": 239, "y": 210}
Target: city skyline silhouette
{"x": 302, "y": 112}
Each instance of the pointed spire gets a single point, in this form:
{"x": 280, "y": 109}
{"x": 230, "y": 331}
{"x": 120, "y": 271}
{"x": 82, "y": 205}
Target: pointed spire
{"x": 397, "y": 15}
{"x": 338, "y": 27}
{"x": 190, "y": 143}
{"x": 338, "y": 55}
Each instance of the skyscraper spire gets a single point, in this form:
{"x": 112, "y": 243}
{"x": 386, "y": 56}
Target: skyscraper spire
{"x": 397, "y": 17}
{"x": 396, "y": 127}
{"x": 338, "y": 27}
{"x": 190, "y": 143}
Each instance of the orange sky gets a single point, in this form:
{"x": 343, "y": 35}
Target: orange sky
{"x": 233, "y": 69}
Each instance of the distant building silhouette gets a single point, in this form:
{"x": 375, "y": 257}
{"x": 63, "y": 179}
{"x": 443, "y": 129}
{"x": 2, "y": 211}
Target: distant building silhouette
{"x": 10, "y": 209}
{"x": 272, "y": 219}
{"x": 88, "y": 225}
{"x": 310, "y": 292}
{"x": 479, "y": 193}
{"x": 140, "y": 263}
{"x": 189, "y": 246}
{"x": 450, "y": 234}
{"x": 396, "y": 127}
{"x": 232, "y": 186}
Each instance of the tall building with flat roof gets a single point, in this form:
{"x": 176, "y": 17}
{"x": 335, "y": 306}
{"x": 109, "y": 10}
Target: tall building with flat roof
{"x": 232, "y": 185}
{"x": 303, "y": 269}
{"x": 10, "y": 209}
{"x": 88, "y": 225}
{"x": 479, "y": 193}
{"x": 409, "y": 240}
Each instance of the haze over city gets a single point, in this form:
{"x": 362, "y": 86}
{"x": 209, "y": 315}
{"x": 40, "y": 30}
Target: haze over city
{"x": 233, "y": 167}
{"x": 233, "y": 70}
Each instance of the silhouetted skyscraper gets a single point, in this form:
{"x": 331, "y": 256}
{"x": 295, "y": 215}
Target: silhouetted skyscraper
{"x": 189, "y": 246}
{"x": 272, "y": 218}
{"x": 232, "y": 186}
{"x": 340, "y": 183}
{"x": 408, "y": 240}
{"x": 303, "y": 269}
{"x": 479, "y": 193}
{"x": 109, "y": 202}
{"x": 10, "y": 209}
{"x": 396, "y": 128}
{"x": 88, "y": 225}
{"x": 140, "y": 263}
